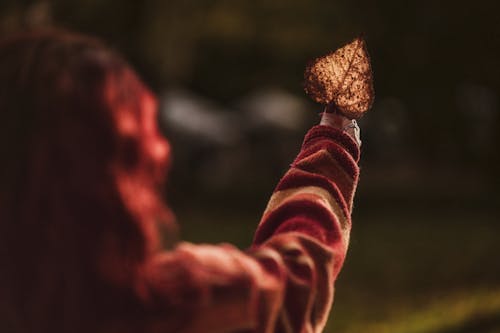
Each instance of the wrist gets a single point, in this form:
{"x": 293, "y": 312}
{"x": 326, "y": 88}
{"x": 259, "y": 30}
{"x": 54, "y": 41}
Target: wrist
{"x": 343, "y": 124}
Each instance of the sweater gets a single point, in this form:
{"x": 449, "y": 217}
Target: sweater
{"x": 285, "y": 281}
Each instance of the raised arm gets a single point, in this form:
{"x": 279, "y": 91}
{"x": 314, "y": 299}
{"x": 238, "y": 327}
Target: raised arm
{"x": 308, "y": 221}
{"x": 285, "y": 281}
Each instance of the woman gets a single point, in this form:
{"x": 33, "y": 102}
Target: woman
{"x": 80, "y": 206}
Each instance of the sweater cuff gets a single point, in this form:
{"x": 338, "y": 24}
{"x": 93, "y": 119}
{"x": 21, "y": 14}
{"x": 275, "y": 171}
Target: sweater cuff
{"x": 322, "y": 132}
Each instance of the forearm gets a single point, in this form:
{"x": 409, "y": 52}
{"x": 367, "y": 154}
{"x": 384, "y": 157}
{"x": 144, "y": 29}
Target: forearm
{"x": 305, "y": 228}
{"x": 318, "y": 189}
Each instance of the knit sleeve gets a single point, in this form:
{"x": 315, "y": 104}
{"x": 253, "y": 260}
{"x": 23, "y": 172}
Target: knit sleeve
{"x": 307, "y": 224}
{"x": 285, "y": 281}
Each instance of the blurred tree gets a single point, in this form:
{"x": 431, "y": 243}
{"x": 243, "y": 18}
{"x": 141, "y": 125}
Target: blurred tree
{"x": 423, "y": 52}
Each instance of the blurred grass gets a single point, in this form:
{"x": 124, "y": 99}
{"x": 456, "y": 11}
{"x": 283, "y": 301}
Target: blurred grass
{"x": 420, "y": 272}
{"x": 475, "y": 311}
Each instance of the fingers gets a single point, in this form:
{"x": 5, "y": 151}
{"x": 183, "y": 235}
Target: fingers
{"x": 353, "y": 130}
{"x": 342, "y": 123}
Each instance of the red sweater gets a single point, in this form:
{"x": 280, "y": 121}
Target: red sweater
{"x": 285, "y": 281}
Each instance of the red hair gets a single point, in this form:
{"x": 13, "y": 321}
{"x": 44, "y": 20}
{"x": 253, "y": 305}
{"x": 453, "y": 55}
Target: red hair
{"x": 82, "y": 165}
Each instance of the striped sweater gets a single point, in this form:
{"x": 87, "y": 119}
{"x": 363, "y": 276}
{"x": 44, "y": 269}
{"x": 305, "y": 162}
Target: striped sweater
{"x": 285, "y": 281}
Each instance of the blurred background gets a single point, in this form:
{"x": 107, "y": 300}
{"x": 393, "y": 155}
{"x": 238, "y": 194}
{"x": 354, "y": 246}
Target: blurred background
{"x": 426, "y": 236}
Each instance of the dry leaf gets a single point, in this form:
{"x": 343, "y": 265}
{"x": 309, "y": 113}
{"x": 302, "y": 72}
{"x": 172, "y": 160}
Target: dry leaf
{"x": 342, "y": 79}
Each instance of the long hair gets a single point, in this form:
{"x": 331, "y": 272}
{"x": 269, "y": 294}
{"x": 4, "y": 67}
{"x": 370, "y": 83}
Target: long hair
{"x": 82, "y": 164}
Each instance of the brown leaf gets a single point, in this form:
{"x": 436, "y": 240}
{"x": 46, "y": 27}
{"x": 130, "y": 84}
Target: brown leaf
{"x": 342, "y": 79}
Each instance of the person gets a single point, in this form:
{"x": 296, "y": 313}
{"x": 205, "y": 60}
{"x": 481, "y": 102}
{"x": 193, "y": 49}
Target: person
{"x": 83, "y": 165}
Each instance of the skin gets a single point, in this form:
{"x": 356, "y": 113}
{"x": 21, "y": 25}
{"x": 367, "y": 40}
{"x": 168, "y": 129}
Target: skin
{"x": 340, "y": 122}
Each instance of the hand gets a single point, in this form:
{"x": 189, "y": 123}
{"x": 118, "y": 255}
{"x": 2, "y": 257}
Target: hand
{"x": 342, "y": 123}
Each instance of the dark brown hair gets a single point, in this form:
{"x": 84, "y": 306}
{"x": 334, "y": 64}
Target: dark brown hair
{"x": 82, "y": 162}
